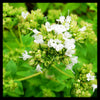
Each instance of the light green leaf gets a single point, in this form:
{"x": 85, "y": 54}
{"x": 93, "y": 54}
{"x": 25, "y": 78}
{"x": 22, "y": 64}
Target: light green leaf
{"x": 11, "y": 67}
{"x": 17, "y": 5}
{"x": 43, "y": 6}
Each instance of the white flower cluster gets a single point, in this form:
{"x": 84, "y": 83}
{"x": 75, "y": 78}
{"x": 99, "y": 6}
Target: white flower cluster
{"x": 55, "y": 44}
{"x": 58, "y": 45}
{"x": 89, "y": 77}
{"x": 69, "y": 43}
{"x": 38, "y": 38}
{"x": 24, "y": 15}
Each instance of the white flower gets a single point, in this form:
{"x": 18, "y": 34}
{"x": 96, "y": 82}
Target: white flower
{"x": 48, "y": 27}
{"x": 38, "y": 39}
{"x": 38, "y": 68}
{"x": 67, "y": 26}
{"x": 24, "y": 15}
{"x": 68, "y": 19}
{"x": 56, "y": 44}
{"x": 69, "y": 52}
{"x": 61, "y": 19}
{"x": 74, "y": 59}
{"x": 69, "y": 43}
{"x": 59, "y": 47}
{"x": 66, "y": 35}
{"x": 89, "y": 77}
{"x": 34, "y": 30}
{"x": 51, "y": 43}
{"x": 82, "y": 29}
{"x": 58, "y": 28}
{"x": 94, "y": 87}
{"x": 69, "y": 66}
{"x": 25, "y": 55}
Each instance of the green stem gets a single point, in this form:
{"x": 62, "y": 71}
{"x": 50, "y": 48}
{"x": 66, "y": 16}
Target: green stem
{"x": 62, "y": 72}
{"x": 7, "y": 45}
{"x": 20, "y": 35}
{"x": 15, "y": 37}
{"x": 25, "y": 78}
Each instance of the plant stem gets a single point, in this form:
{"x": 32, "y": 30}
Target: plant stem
{"x": 25, "y": 78}
{"x": 62, "y": 72}
{"x": 15, "y": 37}
{"x": 20, "y": 35}
{"x": 7, "y": 45}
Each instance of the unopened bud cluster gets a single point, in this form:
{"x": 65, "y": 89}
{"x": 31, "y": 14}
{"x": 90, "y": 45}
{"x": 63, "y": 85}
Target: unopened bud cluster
{"x": 84, "y": 82}
{"x": 81, "y": 30}
{"x": 8, "y": 83}
{"x": 12, "y": 55}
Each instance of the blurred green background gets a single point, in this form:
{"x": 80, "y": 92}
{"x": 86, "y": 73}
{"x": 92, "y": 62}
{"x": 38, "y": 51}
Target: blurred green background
{"x": 86, "y": 11}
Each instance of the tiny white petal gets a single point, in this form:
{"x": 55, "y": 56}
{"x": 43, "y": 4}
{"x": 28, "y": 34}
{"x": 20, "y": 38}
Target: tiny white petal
{"x": 69, "y": 52}
{"x": 82, "y": 29}
{"x": 25, "y": 55}
{"x": 38, "y": 68}
{"x": 94, "y": 87}
{"x": 89, "y": 77}
{"x": 74, "y": 59}
{"x": 61, "y": 19}
{"x": 24, "y": 15}
{"x": 68, "y": 19}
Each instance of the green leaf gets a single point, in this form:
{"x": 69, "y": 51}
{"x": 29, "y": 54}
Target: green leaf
{"x": 12, "y": 94}
{"x": 11, "y": 67}
{"x": 43, "y": 6}
{"x": 25, "y": 73}
{"x": 70, "y": 7}
{"x": 93, "y": 6}
{"x": 54, "y": 86}
{"x": 19, "y": 89}
{"x": 67, "y": 92}
{"x": 17, "y": 5}
{"x": 23, "y": 66}
{"x": 83, "y": 8}
{"x": 59, "y": 75}
{"x": 32, "y": 91}
{"x": 27, "y": 39}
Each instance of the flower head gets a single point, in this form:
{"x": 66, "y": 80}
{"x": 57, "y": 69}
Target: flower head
{"x": 56, "y": 44}
{"x": 25, "y": 55}
{"x": 24, "y": 15}
{"x": 89, "y": 77}
{"x": 68, "y": 19}
{"x": 69, "y": 66}
{"x": 94, "y": 87}
{"x": 82, "y": 29}
{"x": 69, "y": 44}
{"x": 34, "y": 30}
{"x": 38, "y": 68}
{"x": 74, "y": 59}
{"x": 69, "y": 52}
{"x": 59, "y": 28}
{"x": 61, "y": 19}
{"x": 38, "y": 39}
{"x": 48, "y": 27}
{"x": 66, "y": 35}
